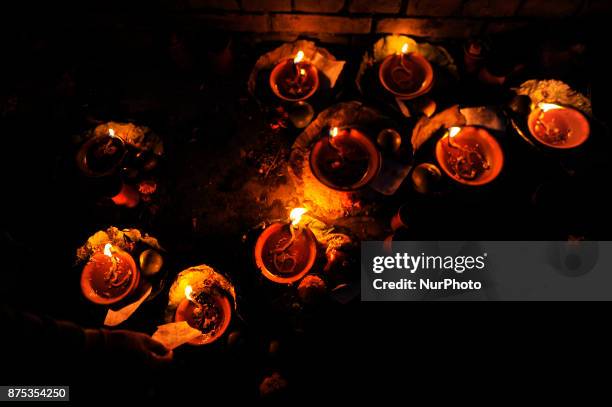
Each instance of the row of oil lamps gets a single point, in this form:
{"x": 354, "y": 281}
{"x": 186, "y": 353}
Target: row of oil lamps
{"x": 344, "y": 160}
{"x": 348, "y": 159}
{"x": 405, "y": 74}
{"x": 284, "y": 252}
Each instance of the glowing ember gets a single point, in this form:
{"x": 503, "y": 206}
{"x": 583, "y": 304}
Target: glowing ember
{"x": 302, "y": 72}
{"x": 296, "y": 215}
{"x": 111, "y": 132}
{"x": 107, "y": 250}
{"x": 299, "y": 57}
{"x": 405, "y": 48}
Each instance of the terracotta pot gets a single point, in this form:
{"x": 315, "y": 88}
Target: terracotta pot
{"x": 347, "y": 162}
{"x": 284, "y": 76}
{"x": 217, "y": 304}
{"x": 100, "y": 155}
{"x": 566, "y": 120}
{"x": 96, "y": 287}
{"x": 406, "y": 76}
{"x": 473, "y": 138}
{"x": 303, "y": 251}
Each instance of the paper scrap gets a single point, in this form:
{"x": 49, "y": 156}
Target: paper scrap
{"x": 114, "y": 318}
{"x": 175, "y": 334}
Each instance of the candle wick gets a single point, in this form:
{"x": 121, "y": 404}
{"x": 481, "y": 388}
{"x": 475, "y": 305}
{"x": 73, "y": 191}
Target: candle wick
{"x": 287, "y": 260}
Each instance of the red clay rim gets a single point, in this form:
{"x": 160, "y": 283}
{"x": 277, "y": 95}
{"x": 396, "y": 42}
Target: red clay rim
{"x": 226, "y": 307}
{"x": 497, "y": 161}
{"x": 275, "y": 72}
{"x": 568, "y": 146}
{"x": 371, "y": 173}
{"x": 81, "y": 158}
{"x": 261, "y": 240}
{"x": 91, "y": 295}
{"x": 425, "y": 87}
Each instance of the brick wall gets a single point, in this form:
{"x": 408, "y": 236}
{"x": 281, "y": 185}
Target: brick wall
{"x": 343, "y": 18}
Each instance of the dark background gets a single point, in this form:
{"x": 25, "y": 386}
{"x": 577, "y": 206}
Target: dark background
{"x": 59, "y": 75}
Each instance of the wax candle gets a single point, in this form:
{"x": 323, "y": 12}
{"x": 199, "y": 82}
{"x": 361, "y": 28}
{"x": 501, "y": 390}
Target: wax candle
{"x": 285, "y": 252}
{"x": 470, "y": 155}
{"x": 406, "y": 74}
{"x": 558, "y": 126}
{"x": 209, "y": 311}
{"x": 346, "y": 160}
{"x": 294, "y": 79}
{"x": 109, "y": 276}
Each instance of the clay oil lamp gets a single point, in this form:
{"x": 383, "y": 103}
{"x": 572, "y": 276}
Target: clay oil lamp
{"x": 101, "y": 155}
{"x": 294, "y": 79}
{"x": 470, "y": 155}
{"x": 209, "y": 311}
{"x": 405, "y": 74}
{"x": 558, "y": 126}
{"x": 109, "y": 276}
{"x": 346, "y": 160}
{"x": 285, "y": 252}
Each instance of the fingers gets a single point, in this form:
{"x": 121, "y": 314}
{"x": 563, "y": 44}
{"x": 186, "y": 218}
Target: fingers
{"x": 156, "y": 347}
{"x": 163, "y": 359}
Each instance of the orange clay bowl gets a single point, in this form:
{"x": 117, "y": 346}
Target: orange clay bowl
{"x": 92, "y": 278}
{"x": 421, "y": 69}
{"x": 184, "y": 312}
{"x": 287, "y": 67}
{"x": 305, "y": 241}
{"x": 489, "y": 147}
{"x": 321, "y": 150}
{"x": 86, "y": 161}
{"x": 569, "y": 118}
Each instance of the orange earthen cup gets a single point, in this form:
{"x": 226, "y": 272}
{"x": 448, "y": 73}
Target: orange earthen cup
{"x": 105, "y": 283}
{"x": 346, "y": 162}
{"x": 282, "y": 258}
{"x": 406, "y": 76}
{"x": 559, "y": 128}
{"x": 473, "y": 157}
{"x": 210, "y": 312}
{"x": 294, "y": 82}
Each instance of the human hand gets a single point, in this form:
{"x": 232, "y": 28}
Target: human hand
{"x": 136, "y": 347}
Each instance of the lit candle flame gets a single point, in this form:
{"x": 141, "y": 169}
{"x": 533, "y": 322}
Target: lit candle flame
{"x": 333, "y": 132}
{"x": 107, "y": 250}
{"x": 296, "y": 215}
{"x": 111, "y": 132}
{"x": 188, "y": 292}
{"x": 405, "y": 48}
{"x": 299, "y": 57}
{"x": 453, "y": 131}
{"x": 545, "y": 107}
